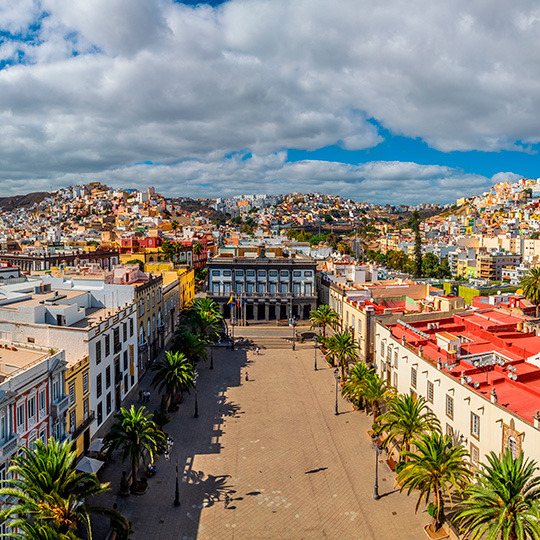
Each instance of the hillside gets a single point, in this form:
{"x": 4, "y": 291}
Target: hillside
{"x": 8, "y": 204}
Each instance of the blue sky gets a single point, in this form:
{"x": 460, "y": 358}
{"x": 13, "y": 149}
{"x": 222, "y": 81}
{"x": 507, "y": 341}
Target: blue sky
{"x": 383, "y": 102}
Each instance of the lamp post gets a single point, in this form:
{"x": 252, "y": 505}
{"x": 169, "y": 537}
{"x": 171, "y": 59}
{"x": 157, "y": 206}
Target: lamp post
{"x": 315, "y": 353}
{"x": 232, "y": 344}
{"x": 195, "y": 377}
{"x": 177, "y": 492}
{"x": 293, "y": 324}
{"x": 375, "y": 444}
{"x": 338, "y": 378}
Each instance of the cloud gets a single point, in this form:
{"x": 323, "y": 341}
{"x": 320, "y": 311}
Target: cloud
{"x": 98, "y": 86}
{"x": 378, "y": 182}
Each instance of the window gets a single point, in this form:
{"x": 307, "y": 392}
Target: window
{"x": 109, "y": 407}
{"x": 108, "y": 377}
{"x": 450, "y": 407}
{"x": 296, "y": 273}
{"x": 261, "y": 273}
{"x": 72, "y": 393}
{"x": 42, "y": 402}
{"x": 153, "y": 298}
{"x": 126, "y": 388}
{"x": 31, "y": 340}
{"x": 125, "y": 360}
{"x": 449, "y": 430}
{"x": 57, "y": 388}
{"x": 3, "y": 430}
{"x": 475, "y": 425}
{"x": 86, "y": 408}
{"x": 347, "y": 318}
{"x": 43, "y": 434}
{"x": 98, "y": 385}
{"x": 107, "y": 345}
{"x": 124, "y": 332}
{"x": 85, "y": 383}
{"x": 395, "y": 379}
{"x": 396, "y": 358}
{"x": 227, "y": 273}
{"x": 513, "y": 447}
{"x": 284, "y": 273}
{"x": 382, "y": 348}
{"x": 98, "y": 351}
{"x": 72, "y": 421}
{"x": 353, "y": 322}
{"x": 273, "y": 273}
{"x": 116, "y": 340}
{"x": 239, "y": 273}
{"x": 308, "y": 273}
{"x": 475, "y": 455}
{"x": 100, "y": 413}
{"x": 215, "y": 273}
{"x": 430, "y": 391}
{"x": 250, "y": 273}
{"x": 20, "y": 417}
{"x": 130, "y": 327}
{"x": 31, "y": 407}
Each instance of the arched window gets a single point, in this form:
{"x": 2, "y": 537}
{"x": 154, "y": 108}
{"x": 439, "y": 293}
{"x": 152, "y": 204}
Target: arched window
{"x": 148, "y": 328}
{"x": 153, "y": 325}
{"x": 159, "y": 318}
{"x": 141, "y": 335}
{"x": 153, "y": 298}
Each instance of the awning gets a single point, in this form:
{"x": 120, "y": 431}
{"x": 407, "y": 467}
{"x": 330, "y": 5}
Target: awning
{"x": 96, "y": 445}
{"x": 89, "y": 465}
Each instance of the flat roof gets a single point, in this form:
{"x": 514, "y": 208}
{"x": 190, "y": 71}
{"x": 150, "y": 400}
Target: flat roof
{"x": 13, "y": 360}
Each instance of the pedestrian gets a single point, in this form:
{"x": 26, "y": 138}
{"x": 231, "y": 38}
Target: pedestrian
{"x": 257, "y": 350}
{"x": 148, "y": 397}
{"x": 247, "y": 378}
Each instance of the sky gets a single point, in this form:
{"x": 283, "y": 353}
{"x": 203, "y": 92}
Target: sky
{"x": 385, "y": 102}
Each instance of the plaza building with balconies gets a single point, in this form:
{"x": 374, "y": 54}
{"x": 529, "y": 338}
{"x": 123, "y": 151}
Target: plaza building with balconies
{"x": 264, "y": 284}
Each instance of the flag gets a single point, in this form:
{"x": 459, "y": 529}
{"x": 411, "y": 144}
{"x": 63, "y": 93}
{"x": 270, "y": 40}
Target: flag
{"x": 238, "y": 303}
{"x": 231, "y": 301}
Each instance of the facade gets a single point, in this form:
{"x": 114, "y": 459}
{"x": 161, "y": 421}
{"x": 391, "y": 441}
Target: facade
{"x": 490, "y": 266}
{"x": 80, "y": 414}
{"x": 264, "y": 285}
{"x": 478, "y": 370}
{"x": 42, "y": 259}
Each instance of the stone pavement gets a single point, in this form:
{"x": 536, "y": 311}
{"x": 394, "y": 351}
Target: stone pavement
{"x": 267, "y": 459}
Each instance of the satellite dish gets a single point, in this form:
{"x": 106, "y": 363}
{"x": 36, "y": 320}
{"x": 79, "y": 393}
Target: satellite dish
{"x": 476, "y": 384}
{"x": 446, "y": 364}
{"x": 514, "y": 377}
{"x": 469, "y": 379}
{"x": 475, "y": 363}
{"x": 499, "y": 293}
{"x": 509, "y": 375}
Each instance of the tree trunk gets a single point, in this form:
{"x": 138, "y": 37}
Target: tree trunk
{"x": 537, "y": 309}
{"x": 134, "y": 472}
{"x": 439, "y": 519}
{"x": 324, "y": 330}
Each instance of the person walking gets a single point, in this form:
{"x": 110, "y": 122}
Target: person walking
{"x": 247, "y": 377}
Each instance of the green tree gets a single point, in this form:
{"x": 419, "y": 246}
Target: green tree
{"x": 415, "y": 225}
{"x": 430, "y": 264}
{"x": 207, "y": 306}
{"x": 535, "y": 235}
{"x": 396, "y": 259}
{"x": 323, "y": 316}
{"x": 197, "y": 248}
{"x": 47, "y": 490}
{"x": 137, "y": 262}
{"x": 173, "y": 374}
{"x": 406, "y": 419}
{"x": 531, "y": 287}
{"x": 436, "y": 467}
{"x": 352, "y": 389}
{"x": 343, "y": 248}
{"x": 505, "y": 503}
{"x": 375, "y": 390}
{"x": 168, "y": 249}
{"x": 204, "y": 324}
{"x": 344, "y": 349}
{"x": 174, "y": 225}
{"x": 138, "y": 437}
{"x": 192, "y": 346}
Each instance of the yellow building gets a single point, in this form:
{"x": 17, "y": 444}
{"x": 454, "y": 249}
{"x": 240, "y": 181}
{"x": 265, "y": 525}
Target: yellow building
{"x": 79, "y": 415}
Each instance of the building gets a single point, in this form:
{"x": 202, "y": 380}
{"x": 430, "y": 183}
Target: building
{"x": 490, "y": 266}
{"x": 264, "y": 284}
{"x": 478, "y": 370}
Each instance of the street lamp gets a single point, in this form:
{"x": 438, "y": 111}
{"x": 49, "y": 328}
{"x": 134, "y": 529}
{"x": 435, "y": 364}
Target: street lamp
{"x": 338, "y": 378}
{"x": 315, "y": 352}
{"x": 232, "y": 345}
{"x": 177, "y": 492}
{"x": 195, "y": 377}
{"x": 376, "y": 446}
{"x": 292, "y": 322}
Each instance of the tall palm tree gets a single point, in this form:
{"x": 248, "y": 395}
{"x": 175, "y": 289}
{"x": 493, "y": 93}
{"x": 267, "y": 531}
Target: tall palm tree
{"x": 46, "y": 489}
{"x": 204, "y": 324}
{"x": 173, "y": 374}
{"x": 192, "y": 346}
{"x": 137, "y": 435}
{"x": 375, "y": 391}
{"x": 207, "y": 305}
{"x": 531, "y": 287}
{"x": 353, "y": 383}
{"x": 407, "y": 418}
{"x": 435, "y": 468}
{"x": 323, "y": 316}
{"x": 505, "y": 502}
{"x": 344, "y": 349}
{"x": 39, "y": 531}
{"x": 197, "y": 248}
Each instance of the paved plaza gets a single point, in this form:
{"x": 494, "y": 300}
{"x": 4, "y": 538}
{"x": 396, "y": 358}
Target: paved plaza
{"x": 267, "y": 459}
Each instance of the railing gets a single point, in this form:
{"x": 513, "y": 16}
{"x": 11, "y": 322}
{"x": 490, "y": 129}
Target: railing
{"x": 81, "y": 428}
{"x": 251, "y": 295}
{"x": 9, "y": 447}
{"x": 59, "y": 406}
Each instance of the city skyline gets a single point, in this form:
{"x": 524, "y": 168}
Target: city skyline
{"x": 219, "y": 99}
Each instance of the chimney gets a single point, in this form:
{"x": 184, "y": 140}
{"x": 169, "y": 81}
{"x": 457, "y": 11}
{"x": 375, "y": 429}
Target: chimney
{"x": 536, "y": 419}
{"x": 493, "y": 396}
{"x": 463, "y": 378}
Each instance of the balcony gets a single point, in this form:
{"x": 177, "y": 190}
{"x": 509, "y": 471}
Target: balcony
{"x": 161, "y": 327}
{"x": 81, "y": 428}
{"x": 59, "y": 406}
{"x": 10, "y": 446}
{"x": 143, "y": 345}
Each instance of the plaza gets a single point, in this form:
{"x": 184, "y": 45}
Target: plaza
{"x": 267, "y": 458}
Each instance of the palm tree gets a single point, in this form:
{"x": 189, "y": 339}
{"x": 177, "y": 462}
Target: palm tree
{"x": 531, "y": 287}
{"x": 197, "y": 248}
{"x": 207, "y": 305}
{"x": 47, "y": 490}
{"x": 505, "y": 502}
{"x": 408, "y": 417}
{"x": 344, "y": 349}
{"x": 353, "y": 383}
{"x": 173, "y": 374}
{"x": 204, "y": 324}
{"x": 436, "y": 467}
{"x": 193, "y": 347}
{"x": 137, "y": 435}
{"x": 329, "y": 344}
{"x": 374, "y": 391}
{"x": 40, "y": 531}
{"x": 323, "y": 316}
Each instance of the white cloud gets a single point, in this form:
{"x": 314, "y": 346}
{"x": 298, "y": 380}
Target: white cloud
{"x": 380, "y": 182}
{"x": 110, "y": 83}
